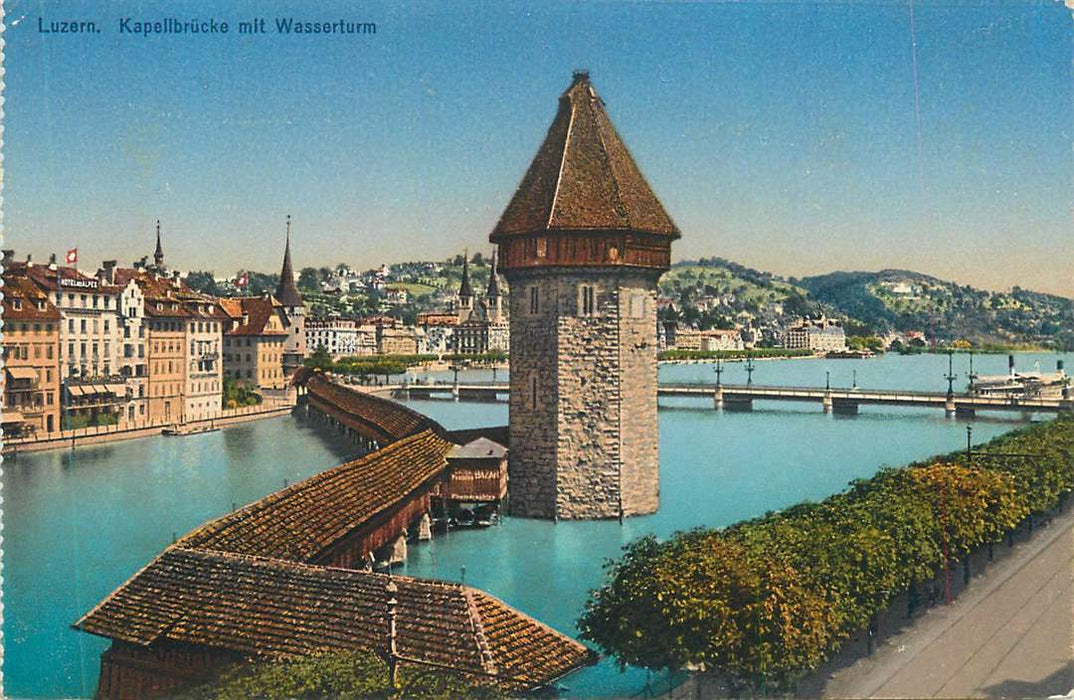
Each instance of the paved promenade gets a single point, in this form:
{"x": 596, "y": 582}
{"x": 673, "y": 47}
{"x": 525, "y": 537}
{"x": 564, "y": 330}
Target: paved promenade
{"x": 1010, "y": 634}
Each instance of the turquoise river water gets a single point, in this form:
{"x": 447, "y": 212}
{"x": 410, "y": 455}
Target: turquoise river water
{"x": 77, "y": 524}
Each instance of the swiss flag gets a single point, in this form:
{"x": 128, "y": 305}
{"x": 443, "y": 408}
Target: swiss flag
{"x": 242, "y": 280}
{"x": 72, "y": 256}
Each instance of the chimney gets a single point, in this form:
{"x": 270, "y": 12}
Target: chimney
{"x": 1059, "y": 366}
{"x": 1010, "y": 364}
{"x": 9, "y": 257}
{"x": 52, "y": 260}
{"x": 29, "y": 260}
{"x": 107, "y": 275}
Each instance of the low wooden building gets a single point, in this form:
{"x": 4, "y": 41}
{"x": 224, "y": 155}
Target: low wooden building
{"x": 477, "y": 473}
{"x": 191, "y": 612}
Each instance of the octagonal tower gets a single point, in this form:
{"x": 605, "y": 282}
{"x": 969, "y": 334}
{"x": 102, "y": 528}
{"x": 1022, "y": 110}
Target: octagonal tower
{"x": 582, "y": 244}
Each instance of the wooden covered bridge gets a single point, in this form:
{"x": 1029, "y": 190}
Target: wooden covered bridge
{"x": 288, "y": 575}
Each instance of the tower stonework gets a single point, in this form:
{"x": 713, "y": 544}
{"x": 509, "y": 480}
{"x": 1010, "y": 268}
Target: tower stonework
{"x": 582, "y": 245}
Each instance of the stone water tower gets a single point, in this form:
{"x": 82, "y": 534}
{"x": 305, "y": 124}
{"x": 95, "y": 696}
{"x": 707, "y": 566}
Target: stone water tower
{"x": 582, "y": 245}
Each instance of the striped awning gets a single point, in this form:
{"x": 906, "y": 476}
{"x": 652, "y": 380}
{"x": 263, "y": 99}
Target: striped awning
{"x": 76, "y": 390}
{"x": 22, "y": 373}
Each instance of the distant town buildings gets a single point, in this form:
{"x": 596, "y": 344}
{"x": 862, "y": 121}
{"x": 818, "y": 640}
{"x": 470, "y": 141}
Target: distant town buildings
{"x": 823, "y": 335}
{"x": 130, "y": 346}
{"x": 338, "y": 336}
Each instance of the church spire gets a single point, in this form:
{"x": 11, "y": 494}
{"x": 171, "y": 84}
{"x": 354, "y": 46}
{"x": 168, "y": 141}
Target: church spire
{"x": 466, "y": 292}
{"x": 494, "y": 280}
{"x": 286, "y": 291}
{"x": 158, "y": 255}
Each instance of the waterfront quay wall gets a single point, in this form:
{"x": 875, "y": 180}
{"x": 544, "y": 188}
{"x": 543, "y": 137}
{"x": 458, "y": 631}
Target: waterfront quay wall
{"x": 84, "y": 437}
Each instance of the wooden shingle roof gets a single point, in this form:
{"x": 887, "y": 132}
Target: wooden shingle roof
{"x": 299, "y": 522}
{"x": 389, "y": 417}
{"x": 270, "y": 608}
{"x": 583, "y": 177}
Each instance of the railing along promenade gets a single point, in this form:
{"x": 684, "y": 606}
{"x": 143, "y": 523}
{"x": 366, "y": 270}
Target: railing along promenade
{"x": 130, "y": 430}
{"x": 741, "y": 396}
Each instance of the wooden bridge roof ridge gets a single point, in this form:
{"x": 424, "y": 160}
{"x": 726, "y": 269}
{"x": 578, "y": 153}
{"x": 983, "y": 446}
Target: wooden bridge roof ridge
{"x": 441, "y": 629}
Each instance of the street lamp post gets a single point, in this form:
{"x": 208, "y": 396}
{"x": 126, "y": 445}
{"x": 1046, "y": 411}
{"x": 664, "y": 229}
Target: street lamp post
{"x": 393, "y": 666}
{"x": 951, "y": 376}
{"x": 827, "y": 380}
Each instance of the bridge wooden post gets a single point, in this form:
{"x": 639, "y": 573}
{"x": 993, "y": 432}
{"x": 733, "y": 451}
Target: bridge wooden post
{"x": 826, "y": 402}
{"x": 717, "y": 398}
{"x": 950, "y": 407}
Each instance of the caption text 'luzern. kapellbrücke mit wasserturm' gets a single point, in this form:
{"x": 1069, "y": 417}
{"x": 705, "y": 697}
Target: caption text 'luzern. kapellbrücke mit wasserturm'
{"x": 172, "y": 26}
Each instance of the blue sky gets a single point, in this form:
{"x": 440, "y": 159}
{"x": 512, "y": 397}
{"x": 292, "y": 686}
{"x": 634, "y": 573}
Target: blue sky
{"x": 778, "y": 134}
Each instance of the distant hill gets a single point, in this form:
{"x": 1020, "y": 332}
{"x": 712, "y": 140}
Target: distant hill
{"x": 903, "y": 300}
{"x": 711, "y": 292}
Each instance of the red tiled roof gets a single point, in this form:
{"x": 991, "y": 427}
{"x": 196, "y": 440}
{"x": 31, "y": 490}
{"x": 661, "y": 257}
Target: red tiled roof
{"x": 393, "y": 419}
{"x": 269, "y": 608}
{"x": 34, "y": 303}
{"x": 300, "y": 521}
{"x": 258, "y": 311}
{"x": 583, "y": 177}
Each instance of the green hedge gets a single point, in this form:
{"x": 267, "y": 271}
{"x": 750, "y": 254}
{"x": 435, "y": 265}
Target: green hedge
{"x": 767, "y": 600}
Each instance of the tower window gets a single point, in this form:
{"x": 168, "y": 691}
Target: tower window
{"x": 535, "y": 305}
{"x": 586, "y": 300}
{"x": 637, "y": 305}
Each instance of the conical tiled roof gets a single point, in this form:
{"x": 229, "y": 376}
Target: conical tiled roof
{"x": 286, "y": 292}
{"x": 583, "y": 177}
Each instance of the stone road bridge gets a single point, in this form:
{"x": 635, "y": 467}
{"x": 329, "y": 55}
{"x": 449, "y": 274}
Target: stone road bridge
{"x": 742, "y": 396}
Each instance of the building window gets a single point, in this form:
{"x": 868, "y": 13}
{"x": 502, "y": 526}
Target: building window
{"x": 586, "y": 300}
{"x": 533, "y": 392}
{"x": 535, "y": 305}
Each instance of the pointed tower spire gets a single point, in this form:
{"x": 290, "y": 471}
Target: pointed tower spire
{"x": 286, "y": 291}
{"x": 158, "y": 255}
{"x": 465, "y": 290}
{"x": 494, "y": 279}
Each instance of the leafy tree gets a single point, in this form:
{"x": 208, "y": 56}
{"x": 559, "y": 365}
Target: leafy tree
{"x": 204, "y": 282}
{"x": 309, "y": 281}
{"x": 319, "y": 359}
{"x": 768, "y": 599}
{"x": 343, "y": 676}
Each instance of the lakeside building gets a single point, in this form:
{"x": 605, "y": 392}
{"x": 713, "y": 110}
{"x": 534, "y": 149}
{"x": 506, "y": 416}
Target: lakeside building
{"x": 712, "y": 340}
{"x": 254, "y": 341}
{"x": 437, "y": 332}
{"x": 582, "y": 244}
{"x": 183, "y": 331}
{"x": 821, "y": 335}
{"x": 483, "y": 324}
{"x": 338, "y": 336}
{"x": 90, "y": 340}
{"x": 31, "y": 350}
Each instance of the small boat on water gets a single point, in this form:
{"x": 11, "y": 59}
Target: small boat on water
{"x": 849, "y": 354}
{"x": 188, "y": 429}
